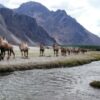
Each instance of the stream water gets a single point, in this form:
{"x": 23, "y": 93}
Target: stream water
{"x": 51, "y": 84}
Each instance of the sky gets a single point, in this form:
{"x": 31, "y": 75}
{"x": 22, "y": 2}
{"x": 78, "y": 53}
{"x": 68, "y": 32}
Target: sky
{"x": 86, "y": 12}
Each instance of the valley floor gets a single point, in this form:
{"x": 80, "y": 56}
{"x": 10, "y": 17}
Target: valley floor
{"x": 48, "y": 61}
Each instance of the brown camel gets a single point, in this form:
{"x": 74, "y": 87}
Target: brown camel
{"x": 55, "y": 49}
{"x": 63, "y": 51}
{"x": 6, "y": 47}
{"x": 42, "y": 49}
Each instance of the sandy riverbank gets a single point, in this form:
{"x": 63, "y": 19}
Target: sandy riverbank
{"x": 48, "y": 61}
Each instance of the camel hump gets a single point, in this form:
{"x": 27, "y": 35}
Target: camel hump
{"x": 10, "y": 45}
{"x": 23, "y": 46}
{"x": 4, "y": 42}
{"x": 26, "y": 45}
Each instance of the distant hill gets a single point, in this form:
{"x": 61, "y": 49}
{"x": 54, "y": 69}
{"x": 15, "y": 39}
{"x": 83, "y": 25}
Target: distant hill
{"x": 59, "y": 25}
{"x": 17, "y": 28}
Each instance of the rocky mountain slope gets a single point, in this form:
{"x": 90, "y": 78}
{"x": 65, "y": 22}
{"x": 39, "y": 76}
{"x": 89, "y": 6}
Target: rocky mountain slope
{"x": 62, "y": 27}
{"x": 17, "y": 28}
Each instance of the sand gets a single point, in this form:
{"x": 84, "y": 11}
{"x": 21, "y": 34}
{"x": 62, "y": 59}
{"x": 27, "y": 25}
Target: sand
{"x": 48, "y": 61}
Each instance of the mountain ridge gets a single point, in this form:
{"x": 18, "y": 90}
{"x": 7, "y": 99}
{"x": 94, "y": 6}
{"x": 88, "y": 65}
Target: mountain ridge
{"x": 34, "y": 23}
{"x": 24, "y": 28}
{"x": 62, "y": 27}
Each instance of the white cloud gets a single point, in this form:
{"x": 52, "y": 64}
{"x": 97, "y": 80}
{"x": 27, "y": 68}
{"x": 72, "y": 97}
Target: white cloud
{"x": 85, "y": 11}
{"x": 95, "y": 3}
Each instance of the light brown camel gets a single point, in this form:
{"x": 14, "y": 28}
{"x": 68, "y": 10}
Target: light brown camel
{"x": 24, "y": 49}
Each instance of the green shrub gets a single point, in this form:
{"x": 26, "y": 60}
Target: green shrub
{"x": 95, "y": 84}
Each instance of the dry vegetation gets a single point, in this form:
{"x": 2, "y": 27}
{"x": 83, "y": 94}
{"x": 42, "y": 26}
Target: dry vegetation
{"x": 48, "y": 61}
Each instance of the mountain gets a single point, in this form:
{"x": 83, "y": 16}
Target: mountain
{"x": 6, "y": 33}
{"x": 59, "y": 25}
{"x": 1, "y": 6}
{"x": 17, "y": 28}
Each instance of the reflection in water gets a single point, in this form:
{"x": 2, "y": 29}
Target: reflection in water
{"x": 5, "y": 73}
{"x": 52, "y": 84}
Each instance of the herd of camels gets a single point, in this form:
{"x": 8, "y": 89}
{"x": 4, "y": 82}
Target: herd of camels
{"x": 7, "y": 48}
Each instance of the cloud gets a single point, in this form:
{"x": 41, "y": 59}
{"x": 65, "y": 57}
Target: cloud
{"x": 94, "y": 3}
{"x": 3, "y": 1}
{"x": 86, "y": 13}
{"x": 12, "y": 3}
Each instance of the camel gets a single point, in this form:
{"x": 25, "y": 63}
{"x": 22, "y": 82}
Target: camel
{"x": 55, "y": 49}
{"x": 24, "y": 49}
{"x": 42, "y": 49}
{"x": 6, "y": 47}
{"x": 63, "y": 51}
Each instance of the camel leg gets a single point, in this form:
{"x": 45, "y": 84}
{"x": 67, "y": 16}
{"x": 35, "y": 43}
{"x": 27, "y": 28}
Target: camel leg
{"x": 8, "y": 55}
{"x": 22, "y": 54}
{"x": 1, "y": 57}
{"x": 2, "y": 53}
{"x": 43, "y": 52}
{"x": 27, "y": 53}
{"x": 56, "y": 53}
{"x": 12, "y": 51}
{"x": 40, "y": 52}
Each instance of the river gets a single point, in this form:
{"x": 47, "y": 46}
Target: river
{"x": 51, "y": 84}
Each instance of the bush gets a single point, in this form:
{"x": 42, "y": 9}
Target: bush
{"x": 95, "y": 84}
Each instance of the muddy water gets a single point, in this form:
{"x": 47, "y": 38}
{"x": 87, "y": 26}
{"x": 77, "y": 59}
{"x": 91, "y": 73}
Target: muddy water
{"x": 52, "y": 84}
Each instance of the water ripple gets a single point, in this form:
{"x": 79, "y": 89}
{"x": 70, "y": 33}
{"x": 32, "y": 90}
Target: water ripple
{"x": 52, "y": 84}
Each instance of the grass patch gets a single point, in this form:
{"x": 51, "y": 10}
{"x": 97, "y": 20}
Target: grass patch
{"x": 95, "y": 84}
{"x": 49, "y": 61}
